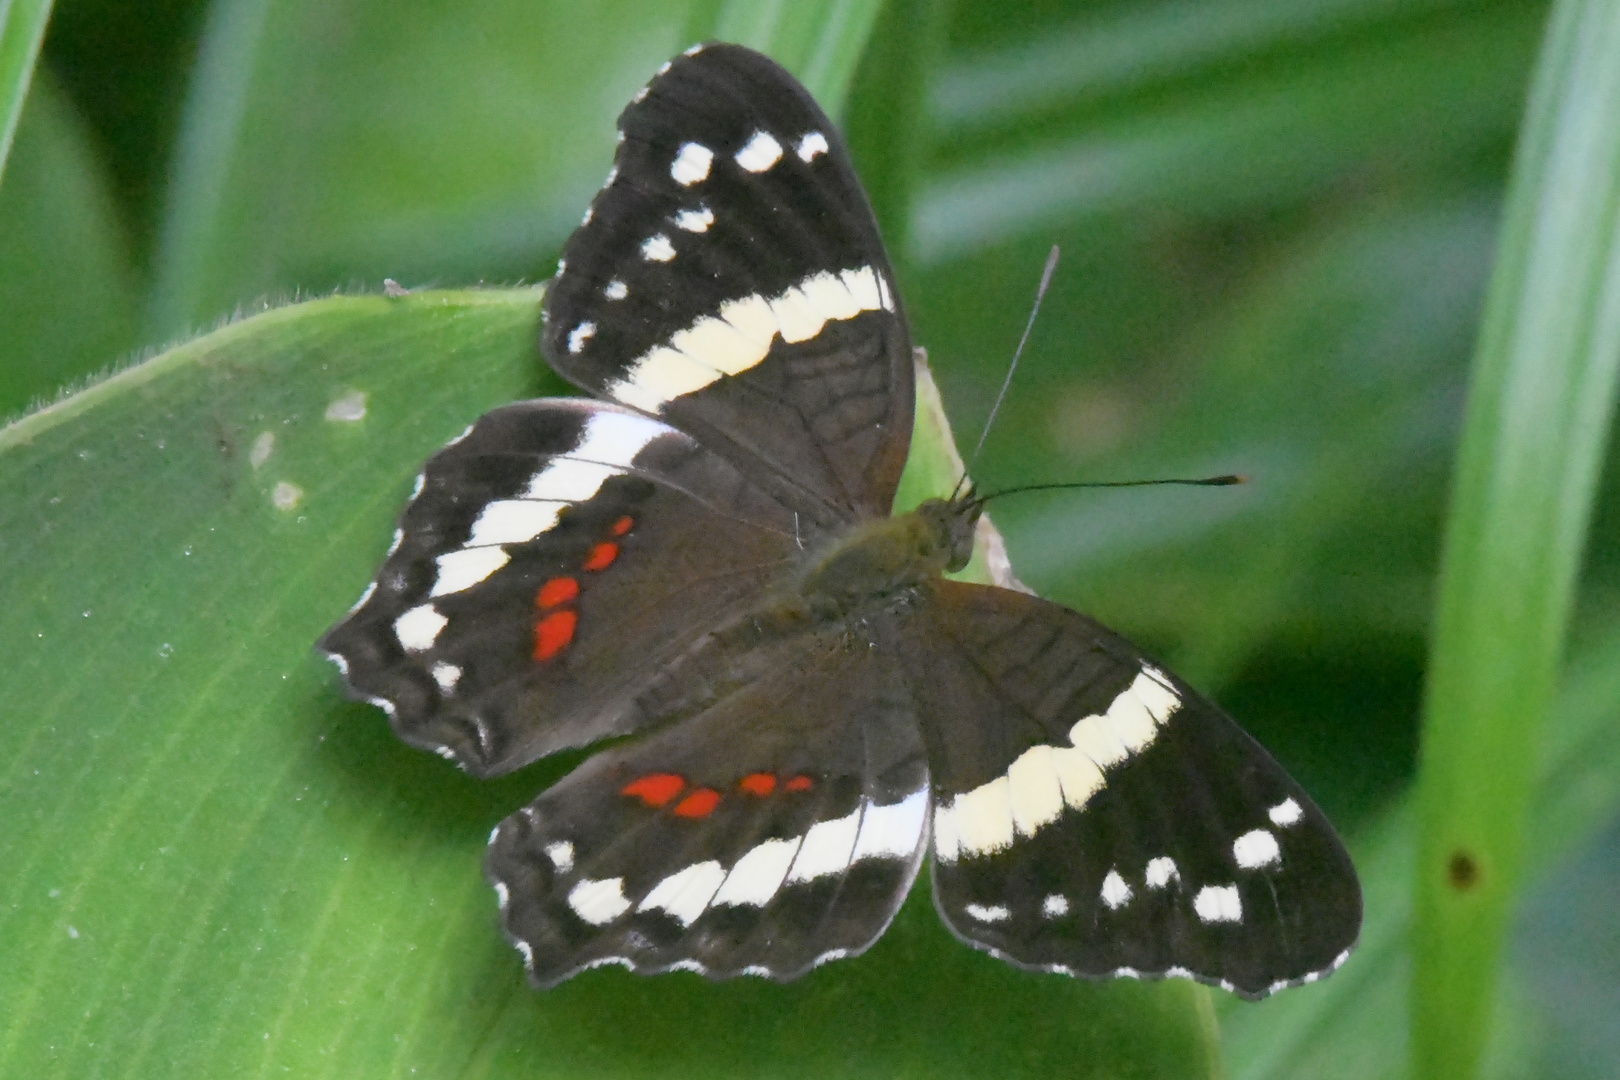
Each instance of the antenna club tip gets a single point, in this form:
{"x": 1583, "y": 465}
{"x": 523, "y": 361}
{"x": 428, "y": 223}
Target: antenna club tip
{"x": 1228, "y": 480}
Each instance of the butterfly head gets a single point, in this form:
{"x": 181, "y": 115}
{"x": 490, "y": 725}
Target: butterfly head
{"x": 945, "y": 535}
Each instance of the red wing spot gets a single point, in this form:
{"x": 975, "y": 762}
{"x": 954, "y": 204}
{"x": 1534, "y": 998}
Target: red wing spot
{"x": 798, "y": 783}
{"x": 553, "y": 633}
{"x": 698, "y": 804}
{"x": 622, "y": 526}
{"x": 559, "y": 590}
{"x": 602, "y": 556}
{"x": 654, "y": 789}
{"x": 760, "y": 783}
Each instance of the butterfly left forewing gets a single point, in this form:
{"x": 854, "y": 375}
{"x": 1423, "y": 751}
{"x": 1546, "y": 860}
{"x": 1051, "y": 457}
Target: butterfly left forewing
{"x": 729, "y": 278}
{"x": 1094, "y": 815}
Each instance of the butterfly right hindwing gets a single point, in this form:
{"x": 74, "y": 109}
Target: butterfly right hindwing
{"x": 1092, "y": 814}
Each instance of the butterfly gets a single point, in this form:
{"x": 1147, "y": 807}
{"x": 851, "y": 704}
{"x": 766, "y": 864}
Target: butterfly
{"x": 701, "y": 557}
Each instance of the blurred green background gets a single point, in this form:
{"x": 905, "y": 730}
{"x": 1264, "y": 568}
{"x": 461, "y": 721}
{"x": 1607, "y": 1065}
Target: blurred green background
{"x": 1277, "y": 219}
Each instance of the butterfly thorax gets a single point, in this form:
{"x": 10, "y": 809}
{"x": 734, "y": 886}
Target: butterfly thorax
{"x": 886, "y": 556}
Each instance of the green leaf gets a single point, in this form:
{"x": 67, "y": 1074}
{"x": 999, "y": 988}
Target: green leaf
{"x": 67, "y": 287}
{"x": 1538, "y": 416}
{"x": 326, "y": 144}
{"x": 22, "y": 28}
{"x": 216, "y": 865}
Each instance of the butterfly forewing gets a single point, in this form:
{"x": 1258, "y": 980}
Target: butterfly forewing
{"x": 1094, "y": 815}
{"x": 729, "y": 277}
{"x": 779, "y": 825}
{"x": 558, "y": 562}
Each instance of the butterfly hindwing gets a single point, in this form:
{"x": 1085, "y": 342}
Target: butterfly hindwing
{"x": 779, "y": 826}
{"x": 1093, "y": 814}
{"x": 557, "y": 563}
{"x": 730, "y": 278}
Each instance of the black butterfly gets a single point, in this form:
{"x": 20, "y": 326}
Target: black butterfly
{"x": 705, "y": 559}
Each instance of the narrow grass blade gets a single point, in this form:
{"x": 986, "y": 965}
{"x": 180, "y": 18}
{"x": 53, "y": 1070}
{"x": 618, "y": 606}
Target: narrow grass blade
{"x": 22, "y": 28}
{"x": 1537, "y": 420}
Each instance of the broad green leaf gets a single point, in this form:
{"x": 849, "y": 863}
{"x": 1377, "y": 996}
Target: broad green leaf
{"x": 217, "y": 866}
{"x": 1539, "y": 408}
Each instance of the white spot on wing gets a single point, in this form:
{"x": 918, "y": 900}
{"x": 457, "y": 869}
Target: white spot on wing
{"x": 419, "y": 627}
{"x": 1161, "y": 871}
{"x": 742, "y": 335}
{"x": 1037, "y": 795}
{"x": 1285, "y": 813}
{"x": 513, "y": 521}
{"x": 1255, "y": 849}
{"x": 691, "y": 164}
{"x": 826, "y": 848}
{"x": 892, "y": 831}
{"x": 578, "y": 336}
{"x": 812, "y": 144}
{"x": 657, "y": 248}
{"x": 590, "y": 212}
{"x": 1044, "y": 779}
{"x": 465, "y": 568}
{"x": 1055, "y": 906}
{"x": 1218, "y": 903}
{"x": 561, "y": 854}
{"x": 981, "y": 820}
{"x": 987, "y": 914}
{"x": 616, "y": 290}
{"x": 610, "y": 443}
{"x": 1115, "y": 893}
{"x": 760, "y": 153}
{"x": 598, "y": 902}
{"x": 685, "y": 894}
{"x": 446, "y": 675}
{"x": 758, "y": 874}
{"x": 695, "y": 221}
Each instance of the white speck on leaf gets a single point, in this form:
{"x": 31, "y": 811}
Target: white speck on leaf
{"x": 351, "y": 406}
{"x": 286, "y": 496}
{"x": 165, "y": 650}
{"x": 262, "y": 446}
{"x": 72, "y": 932}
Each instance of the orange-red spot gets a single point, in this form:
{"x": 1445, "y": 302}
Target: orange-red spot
{"x": 798, "y": 783}
{"x": 654, "y": 789}
{"x": 559, "y": 590}
{"x": 760, "y": 783}
{"x": 602, "y": 556}
{"x": 620, "y": 527}
{"x": 698, "y": 804}
{"x": 553, "y": 633}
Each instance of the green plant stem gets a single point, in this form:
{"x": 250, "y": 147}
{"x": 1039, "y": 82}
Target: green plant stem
{"x": 1537, "y": 420}
{"x": 22, "y": 28}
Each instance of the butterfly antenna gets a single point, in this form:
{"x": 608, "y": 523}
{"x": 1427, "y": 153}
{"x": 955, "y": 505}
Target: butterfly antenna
{"x": 1040, "y": 294}
{"x": 1208, "y": 481}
